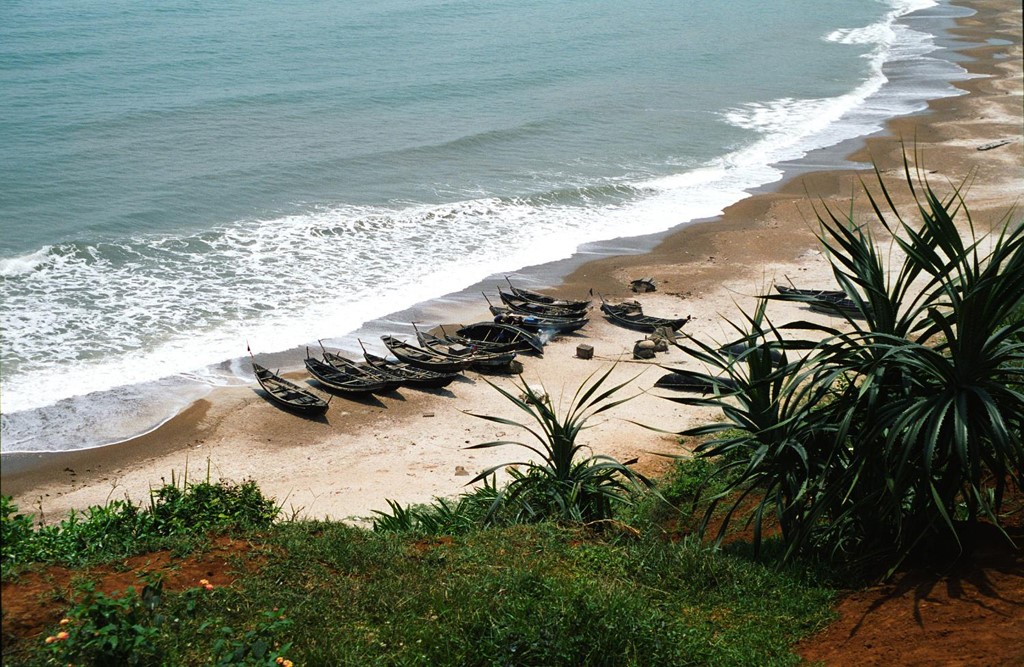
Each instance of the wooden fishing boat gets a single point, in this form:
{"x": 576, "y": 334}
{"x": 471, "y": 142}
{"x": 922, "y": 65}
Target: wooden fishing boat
{"x": 344, "y": 381}
{"x": 409, "y": 375}
{"x": 828, "y": 295}
{"x": 632, "y": 317}
{"x": 520, "y": 305}
{"x": 557, "y": 325}
{"x": 836, "y": 307}
{"x": 694, "y": 382}
{"x": 477, "y": 356}
{"x": 831, "y": 302}
{"x": 449, "y": 336}
{"x": 627, "y": 307}
{"x": 423, "y": 358}
{"x": 544, "y": 299}
{"x": 287, "y": 394}
{"x": 361, "y": 370}
{"x": 498, "y": 337}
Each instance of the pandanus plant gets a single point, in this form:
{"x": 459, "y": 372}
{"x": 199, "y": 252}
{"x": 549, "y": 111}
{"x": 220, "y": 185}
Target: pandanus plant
{"x": 773, "y": 444}
{"x": 937, "y": 399}
{"x": 561, "y": 481}
{"x": 925, "y": 406}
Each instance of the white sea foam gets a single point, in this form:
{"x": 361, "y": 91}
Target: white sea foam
{"x": 137, "y": 312}
{"x": 790, "y": 128}
{"x": 19, "y": 266}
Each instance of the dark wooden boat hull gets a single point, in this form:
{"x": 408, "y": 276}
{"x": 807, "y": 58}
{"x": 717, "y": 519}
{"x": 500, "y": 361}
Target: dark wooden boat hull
{"x": 425, "y": 359}
{"x": 287, "y": 394}
{"x": 520, "y": 305}
{"x": 544, "y": 299}
{"x": 682, "y": 381}
{"x": 477, "y": 356}
{"x": 341, "y": 382}
{"x": 538, "y": 324}
{"x": 499, "y": 337}
{"x": 451, "y": 338}
{"x": 647, "y": 323}
{"x": 836, "y": 307}
{"x": 408, "y": 375}
{"x": 632, "y": 318}
{"x": 827, "y": 295}
{"x": 361, "y": 371}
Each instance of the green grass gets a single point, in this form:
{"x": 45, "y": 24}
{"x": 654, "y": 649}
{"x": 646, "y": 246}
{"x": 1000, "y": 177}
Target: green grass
{"x": 531, "y": 595}
{"x": 538, "y": 594}
{"x": 176, "y": 517}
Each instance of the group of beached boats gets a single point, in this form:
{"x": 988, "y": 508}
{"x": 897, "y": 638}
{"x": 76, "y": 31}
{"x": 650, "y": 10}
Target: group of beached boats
{"x": 524, "y": 322}
{"x": 347, "y": 377}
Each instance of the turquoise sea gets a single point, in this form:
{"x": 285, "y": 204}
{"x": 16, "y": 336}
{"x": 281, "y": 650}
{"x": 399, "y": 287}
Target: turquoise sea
{"x": 181, "y": 179}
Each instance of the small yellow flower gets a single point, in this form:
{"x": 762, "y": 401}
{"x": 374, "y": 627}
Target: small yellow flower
{"x": 65, "y": 621}
{"x": 62, "y": 635}
{"x": 279, "y": 660}
{"x": 204, "y": 582}
{"x": 287, "y": 663}
{"x": 51, "y": 639}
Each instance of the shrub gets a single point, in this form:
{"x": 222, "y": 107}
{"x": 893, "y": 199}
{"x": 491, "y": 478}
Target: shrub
{"x": 207, "y": 505}
{"x": 257, "y": 646}
{"x": 120, "y": 528}
{"x": 468, "y": 512}
{"x": 15, "y": 533}
{"x": 107, "y": 630}
{"x": 772, "y": 441}
{"x": 561, "y": 483}
{"x": 868, "y": 444}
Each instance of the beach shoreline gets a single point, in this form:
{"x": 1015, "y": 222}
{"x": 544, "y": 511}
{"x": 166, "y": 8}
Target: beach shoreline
{"x": 410, "y": 447}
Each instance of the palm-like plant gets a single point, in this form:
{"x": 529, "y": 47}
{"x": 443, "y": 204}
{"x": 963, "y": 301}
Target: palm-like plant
{"x": 561, "y": 482}
{"x": 930, "y": 410}
{"x": 937, "y": 404}
{"x": 773, "y": 442}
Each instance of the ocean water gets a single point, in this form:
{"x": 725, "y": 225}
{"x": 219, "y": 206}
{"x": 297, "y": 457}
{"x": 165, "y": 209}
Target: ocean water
{"x": 181, "y": 180}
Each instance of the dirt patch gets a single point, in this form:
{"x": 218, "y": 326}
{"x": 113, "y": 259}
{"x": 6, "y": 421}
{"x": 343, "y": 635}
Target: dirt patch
{"x": 37, "y": 600}
{"x": 972, "y": 616}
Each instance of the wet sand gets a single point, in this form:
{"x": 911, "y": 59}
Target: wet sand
{"x": 410, "y": 445}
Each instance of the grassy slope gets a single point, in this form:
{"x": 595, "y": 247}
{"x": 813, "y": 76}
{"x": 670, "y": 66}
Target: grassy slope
{"x": 524, "y": 595}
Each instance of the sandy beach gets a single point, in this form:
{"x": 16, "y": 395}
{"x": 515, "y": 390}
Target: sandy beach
{"x": 410, "y": 446}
